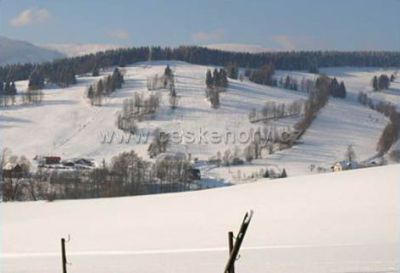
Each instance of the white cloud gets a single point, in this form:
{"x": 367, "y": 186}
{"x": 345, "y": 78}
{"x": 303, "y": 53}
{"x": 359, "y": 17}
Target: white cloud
{"x": 118, "y": 34}
{"x": 29, "y": 17}
{"x": 210, "y": 36}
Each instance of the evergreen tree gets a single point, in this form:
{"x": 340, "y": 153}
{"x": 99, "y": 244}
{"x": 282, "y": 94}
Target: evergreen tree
{"x": 223, "y": 78}
{"x": 375, "y": 85}
{"x": 216, "y": 78}
{"x": 334, "y": 88}
{"x": 283, "y": 174}
{"x": 168, "y": 71}
{"x": 91, "y": 94}
{"x": 122, "y": 61}
{"x": 95, "y": 72}
{"x": 342, "y": 90}
{"x": 209, "y": 79}
{"x": 13, "y": 89}
{"x": 1, "y": 87}
{"x": 117, "y": 79}
{"x": 100, "y": 87}
{"x": 7, "y": 88}
{"x": 383, "y": 82}
{"x": 232, "y": 71}
{"x": 313, "y": 69}
{"x": 36, "y": 80}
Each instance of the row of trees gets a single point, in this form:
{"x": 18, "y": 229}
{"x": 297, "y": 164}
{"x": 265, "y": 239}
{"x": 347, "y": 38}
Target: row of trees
{"x": 8, "y": 88}
{"x": 199, "y": 55}
{"x": 391, "y": 132}
{"x": 336, "y": 89}
{"x": 263, "y": 75}
{"x": 217, "y": 79}
{"x": 127, "y": 174}
{"x": 216, "y": 82}
{"x": 136, "y": 109}
{"x": 8, "y": 95}
{"x": 382, "y": 82}
{"x": 385, "y": 108}
{"x": 8, "y": 91}
{"x": 232, "y": 71}
{"x": 272, "y": 110}
{"x": 104, "y": 87}
{"x": 315, "y": 101}
{"x": 36, "y": 80}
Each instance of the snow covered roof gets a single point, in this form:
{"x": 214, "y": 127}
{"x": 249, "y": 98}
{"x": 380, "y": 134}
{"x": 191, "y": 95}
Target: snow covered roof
{"x": 10, "y": 166}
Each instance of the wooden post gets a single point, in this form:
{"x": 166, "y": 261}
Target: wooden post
{"x": 230, "y": 241}
{"x": 63, "y": 256}
{"x": 238, "y": 242}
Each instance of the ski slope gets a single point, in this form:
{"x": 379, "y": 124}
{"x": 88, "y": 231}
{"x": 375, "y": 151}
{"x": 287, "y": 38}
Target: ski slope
{"x": 66, "y": 125}
{"x": 341, "y": 222}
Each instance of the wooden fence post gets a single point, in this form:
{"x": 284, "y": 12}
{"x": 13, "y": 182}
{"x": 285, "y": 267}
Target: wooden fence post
{"x": 63, "y": 256}
{"x": 230, "y": 241}
{"x": 238, "y": 242}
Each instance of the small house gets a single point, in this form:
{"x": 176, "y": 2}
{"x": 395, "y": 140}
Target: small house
{"x": 12, "y": 170}
{"x": 51, "y": 160}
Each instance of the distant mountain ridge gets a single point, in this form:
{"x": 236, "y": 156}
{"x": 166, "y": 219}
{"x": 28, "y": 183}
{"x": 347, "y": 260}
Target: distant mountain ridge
{"x": 73, "y": 50}
{"x": 15, "y": 51}
{"x": 246, "y": 48}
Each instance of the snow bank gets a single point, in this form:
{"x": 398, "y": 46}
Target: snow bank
{"x": 342, "y": 222}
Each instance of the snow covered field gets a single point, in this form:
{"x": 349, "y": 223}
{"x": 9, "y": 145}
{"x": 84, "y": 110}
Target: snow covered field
{"x": 66, "y": 125}
{"x": 342, "y": 222}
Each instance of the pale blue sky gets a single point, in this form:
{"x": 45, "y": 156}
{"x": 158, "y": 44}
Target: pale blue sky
{"x": 275, "y": 24}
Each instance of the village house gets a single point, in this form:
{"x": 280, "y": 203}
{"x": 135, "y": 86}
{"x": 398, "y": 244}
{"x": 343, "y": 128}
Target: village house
{"x": 12, "y": 170}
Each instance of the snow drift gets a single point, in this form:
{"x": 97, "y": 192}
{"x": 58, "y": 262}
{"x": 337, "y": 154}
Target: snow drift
{"x": 342, "y": 222}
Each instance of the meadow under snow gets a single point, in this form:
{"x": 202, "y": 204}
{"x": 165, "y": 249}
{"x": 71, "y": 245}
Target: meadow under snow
{"x": 338, "y": 222}
{"x": 65, "y": 124}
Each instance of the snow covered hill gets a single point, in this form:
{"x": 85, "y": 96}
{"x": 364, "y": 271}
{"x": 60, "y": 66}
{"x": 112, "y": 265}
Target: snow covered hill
{"x": 239, "y": 48}
{"x": 73, "y": 50}
{"x": 14, "y": 51}
{"x": 66, "y": 125}
{"x": 343, "y": 222}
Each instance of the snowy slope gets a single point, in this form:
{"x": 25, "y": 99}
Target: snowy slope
{"x": 66, "y": 125}
{"x": 343, "y": 222}
{"x": 74, "y": 128}
{"x": 359, "y": 79}
{"x": 14, "y": 51}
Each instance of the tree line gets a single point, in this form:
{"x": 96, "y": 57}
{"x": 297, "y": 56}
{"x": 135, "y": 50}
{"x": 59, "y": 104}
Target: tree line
{"x": 61, "y": 71}
{"x": 127, "y": 174}
{"x": 382, "y": 82}
{"x": 316, "y": 101}
{"x": 391, "y": 132}
{"x": 8, "y": 91}
{"x": 273, "y": 111}
{"x": 336, "y": 89}
{"x": 262, "y": 75}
